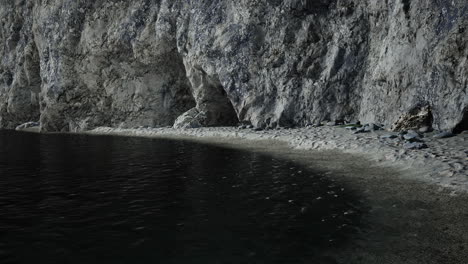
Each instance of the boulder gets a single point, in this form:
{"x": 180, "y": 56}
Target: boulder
{"x": 27, "y": 125}
{"x": 190, "y": 119}
{"x": 444, "y": 134}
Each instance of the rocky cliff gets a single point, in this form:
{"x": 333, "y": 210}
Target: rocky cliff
{"x": 78, "y": 64}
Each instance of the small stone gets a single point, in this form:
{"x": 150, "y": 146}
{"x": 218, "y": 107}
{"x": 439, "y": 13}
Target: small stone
{"x": 445, "y": 134}
{"x": 331, "y": 123}
{"x": 412, "y": 137}
{"x": 425, "y": 129}
{"x": 368, "y": 128}
{"x": 457, "y": 166}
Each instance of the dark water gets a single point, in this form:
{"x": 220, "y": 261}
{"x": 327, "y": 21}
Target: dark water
{"x": 83, "y": 199}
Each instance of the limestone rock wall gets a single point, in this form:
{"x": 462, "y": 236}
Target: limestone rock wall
{"x": 101, "y": 62}
{"x": 78, "y": 64}
{"x": 20, "y": 74}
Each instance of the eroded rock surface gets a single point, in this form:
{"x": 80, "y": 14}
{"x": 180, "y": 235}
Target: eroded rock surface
{"x": 75, "y": 65}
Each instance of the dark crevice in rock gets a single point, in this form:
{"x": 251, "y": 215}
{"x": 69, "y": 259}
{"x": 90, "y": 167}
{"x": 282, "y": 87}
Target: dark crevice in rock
{"x": 219, "y": 109}
{"x": 463, "y": 124}
{"x": 406, "y": 7}
{"x": 8, "y": 78}
{"x": 306, "y": 7}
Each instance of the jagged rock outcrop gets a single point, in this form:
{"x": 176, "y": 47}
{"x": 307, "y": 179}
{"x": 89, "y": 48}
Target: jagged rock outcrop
{"x": 80, "y": 64}
{"x": 418, "y": 117}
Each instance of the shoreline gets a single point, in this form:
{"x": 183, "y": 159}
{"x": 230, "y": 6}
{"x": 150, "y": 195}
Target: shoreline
{"x": 409, "y": 215}
{"x": 444, "y": 163}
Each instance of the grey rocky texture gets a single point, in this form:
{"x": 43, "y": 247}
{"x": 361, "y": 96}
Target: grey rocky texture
{"x": 81, "y": 64}
{"x": 415, "y": 145}
{"x": 92, "y": 63}
{"x": 20, "y": 74}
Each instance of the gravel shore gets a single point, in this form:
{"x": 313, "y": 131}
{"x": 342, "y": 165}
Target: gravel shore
{"x": 444, "y": 162}
{"x": 416, "y": 201}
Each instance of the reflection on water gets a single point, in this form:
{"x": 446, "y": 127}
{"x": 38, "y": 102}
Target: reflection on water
{"x": 83, "y": 199}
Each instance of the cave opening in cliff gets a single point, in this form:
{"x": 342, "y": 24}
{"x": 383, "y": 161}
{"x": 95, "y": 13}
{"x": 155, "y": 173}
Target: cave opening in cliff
{"x": 212, "y": 100}
{"x": 225, "y": 110}
{"x": 463, "y": 124}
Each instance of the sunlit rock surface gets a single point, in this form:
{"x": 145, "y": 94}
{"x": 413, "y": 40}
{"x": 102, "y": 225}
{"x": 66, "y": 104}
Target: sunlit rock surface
{"x": 75, "y": 64}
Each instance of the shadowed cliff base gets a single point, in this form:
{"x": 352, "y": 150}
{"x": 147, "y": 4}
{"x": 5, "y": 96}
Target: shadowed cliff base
{"x": 463, "y": 125}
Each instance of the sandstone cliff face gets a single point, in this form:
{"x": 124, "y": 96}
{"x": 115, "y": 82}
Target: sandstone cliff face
{"x": 78, "y": 64}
